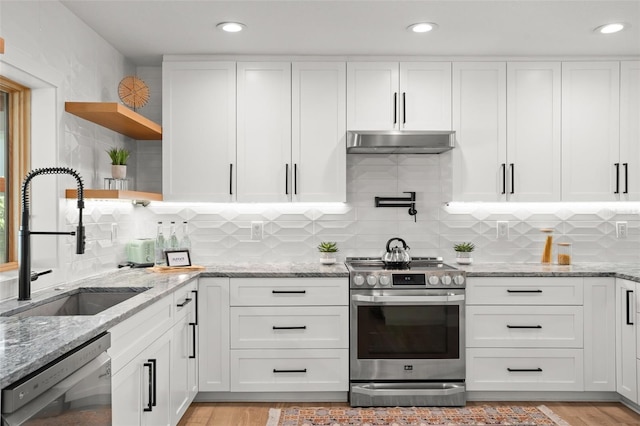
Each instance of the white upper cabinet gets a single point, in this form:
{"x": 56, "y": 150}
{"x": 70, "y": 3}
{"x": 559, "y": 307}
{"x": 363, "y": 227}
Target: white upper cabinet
{"x": 399, "y": 96}
{"x": 591, "y": 169}
{"x": 630, "y": 130}
{"x": 479, "y": 119}
{"x": 264, "y": 131}
{"x": 199, "y": 131}
{"x": 319, "y": 131}
{"x": 533, "y": 163}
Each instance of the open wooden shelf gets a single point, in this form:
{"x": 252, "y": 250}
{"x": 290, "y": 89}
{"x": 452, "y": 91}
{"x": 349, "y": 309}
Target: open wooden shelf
{"x": 114, "y": 194}
{"x": 116, "y": 117}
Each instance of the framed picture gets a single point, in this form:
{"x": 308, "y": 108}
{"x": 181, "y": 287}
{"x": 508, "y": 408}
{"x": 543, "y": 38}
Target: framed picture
{"x": 178, "y": 258}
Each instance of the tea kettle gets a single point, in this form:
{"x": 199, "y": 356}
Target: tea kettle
{"x": 396, "y": 257}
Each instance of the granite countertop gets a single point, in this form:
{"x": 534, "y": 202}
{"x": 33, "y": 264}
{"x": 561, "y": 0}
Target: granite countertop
{"x": 27, "y": 344}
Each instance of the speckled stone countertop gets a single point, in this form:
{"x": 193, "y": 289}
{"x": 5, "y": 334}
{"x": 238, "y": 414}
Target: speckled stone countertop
{"x": 27, "y": 344}
{"x": 619, "y": 270}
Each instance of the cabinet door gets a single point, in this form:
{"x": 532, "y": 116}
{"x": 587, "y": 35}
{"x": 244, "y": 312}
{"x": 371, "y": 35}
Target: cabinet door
{"x": 213, "y": 334}
{"x": 533, "y": 131}
{"x": 159, "y": 355}
{"x": 630, "y": 130}
{"x": 126, "y": 394}
{"x": 590, "y": 131}
{"x": 319, "y": 132}
{"x": 425, "y": 95}
{"x": 626, "y": 364}
{"x": 182, "y": 351}
{"x": 372, "y": 96}
{"x": 264, "y": 131}
{"x": 199, "y": 133}
{"x": 479, "y": 119}
{"x": 599, "y": 334}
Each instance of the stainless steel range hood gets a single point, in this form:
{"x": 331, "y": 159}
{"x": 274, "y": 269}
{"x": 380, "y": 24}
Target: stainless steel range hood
{"x": 399, "y": 142}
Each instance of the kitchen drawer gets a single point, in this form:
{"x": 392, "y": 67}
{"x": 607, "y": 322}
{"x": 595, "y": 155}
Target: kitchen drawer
{"x": 134, "y": 334}
{"x": 550, "y": 369}
{"x": 289, "y": 291}
{"x": 185, "y": 299}
{"x": 525, "y": 291}
{"x": 525, "y": 326}
{"x": 289, "y": 327}
{"x": 291, "y": 370}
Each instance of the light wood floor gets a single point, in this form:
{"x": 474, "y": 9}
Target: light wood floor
{"x": 256, "y": 414}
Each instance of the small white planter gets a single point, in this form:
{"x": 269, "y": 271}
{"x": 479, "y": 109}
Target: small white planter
{"x": 464, "y": 258}
{"x": 327, "y": 258}
{"x": 118, "y": 172}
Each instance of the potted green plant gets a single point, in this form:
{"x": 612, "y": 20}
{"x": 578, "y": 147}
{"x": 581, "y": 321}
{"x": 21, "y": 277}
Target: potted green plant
{"x": 328, "y": 251}
{"x": 463, "y": 252}
{"x": 119, "y": 157}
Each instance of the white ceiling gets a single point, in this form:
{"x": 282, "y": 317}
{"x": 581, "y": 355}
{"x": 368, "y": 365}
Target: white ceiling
{"x": 145, "y": 30}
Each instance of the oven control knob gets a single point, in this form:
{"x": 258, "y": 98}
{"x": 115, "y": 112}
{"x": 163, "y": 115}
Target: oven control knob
{"x": 446, "y": 279}
{"x": 458, "y": 279}
{"x": 372, "y": 280}
{"x": 358, "y": 280}
{"x": 434, "y": 280}
{"x": 385, "y": 280}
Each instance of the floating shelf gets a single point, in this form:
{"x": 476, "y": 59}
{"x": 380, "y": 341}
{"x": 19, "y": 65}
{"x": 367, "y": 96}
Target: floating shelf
{"x": 116, "y": 117}
{"x": 114, "y": 194}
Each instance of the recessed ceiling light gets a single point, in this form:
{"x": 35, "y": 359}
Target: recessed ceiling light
{"x": 231, "y": 27}
{"x": 610, "y": 28}
{"x": 422, "y": 27}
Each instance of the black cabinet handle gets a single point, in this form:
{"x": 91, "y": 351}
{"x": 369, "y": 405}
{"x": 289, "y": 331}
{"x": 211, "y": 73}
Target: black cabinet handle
{"x": 185, "y": 303}
{"x": 230, "y": 179}
{"x": 304, "y": 370}
{"x": 503, "y": 167}
{"x": 524, "y": 326}
{"x": 626, "y": 177}
{"x": 155, "y": 377}
{"x": 395, "y": 108}
{"x": 629, "y": 293}
{"x": 523, "y": 291}
{"x": 193, "y": 342}
{"x": 513, "y": 181}
{"x": 149, "y": 406}
{"x": 537, "y": 370}
{"x": 404, "y": 107}
{"x": 299, "y": 327}
{"x": 617, "y": 191}
{"x": 195, "y": 294}
{"x": 295, "y": 178}
{"x": 286, "y": 179}
{"x": 288, "y": 291}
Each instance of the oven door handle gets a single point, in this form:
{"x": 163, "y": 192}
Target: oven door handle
{"x": 454, "y": 389}
{"x": 414, "y": 300}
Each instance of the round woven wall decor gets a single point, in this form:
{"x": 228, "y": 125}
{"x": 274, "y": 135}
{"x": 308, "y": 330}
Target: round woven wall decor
{"x": 133, "y": 92}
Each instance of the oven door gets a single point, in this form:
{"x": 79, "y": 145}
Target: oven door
{"x": 407, "y": 335}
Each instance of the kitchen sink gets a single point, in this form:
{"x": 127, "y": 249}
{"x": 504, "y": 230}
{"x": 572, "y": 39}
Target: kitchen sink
{"x": 82, "y": 301}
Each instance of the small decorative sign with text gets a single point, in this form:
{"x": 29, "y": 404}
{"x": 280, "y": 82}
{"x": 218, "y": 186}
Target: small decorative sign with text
{"x": 178, "y": 258}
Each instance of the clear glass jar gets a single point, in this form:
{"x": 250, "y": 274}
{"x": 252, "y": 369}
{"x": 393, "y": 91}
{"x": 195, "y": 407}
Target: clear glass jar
{"x": 548, "y": 246}
{"x": 564, "y": 253}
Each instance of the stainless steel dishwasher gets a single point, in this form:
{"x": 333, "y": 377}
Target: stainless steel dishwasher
{"x": 75, "y": 389}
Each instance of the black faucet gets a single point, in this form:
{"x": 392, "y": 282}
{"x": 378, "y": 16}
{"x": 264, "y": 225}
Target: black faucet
{"x": 25, "y": 276}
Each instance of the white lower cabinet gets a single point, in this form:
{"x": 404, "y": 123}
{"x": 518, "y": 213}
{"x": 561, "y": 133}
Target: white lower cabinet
{"x": 540, "y": 334}
{"x": 626, "y": 330}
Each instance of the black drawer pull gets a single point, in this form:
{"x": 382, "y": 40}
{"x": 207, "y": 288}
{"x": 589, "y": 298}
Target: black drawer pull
{"x": 155, "y": 378}
{"x": 534, "y": 370}
{"x": 195, "y": 292}
{"x": 299, "y": 327}
{"x": 629, "y": 310}
{"x": 149, "y": 406}
{"x": 288, "y": 291}
{"x": 193, "y": 341}
{"x": 304, "y": 370}
{"x": 524, "y": 291}
{"x": 524, "y": 326}
{"x": 185, "y": 303}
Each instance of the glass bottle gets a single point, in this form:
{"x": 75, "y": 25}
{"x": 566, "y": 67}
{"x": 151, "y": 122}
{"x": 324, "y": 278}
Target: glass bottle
{"x": 564, "y": 253}
{"x": 548, "y": 246}
{"x": 160, "y": 246}
{"x": 185, "y": 242}
{"x": 173, "y": 239}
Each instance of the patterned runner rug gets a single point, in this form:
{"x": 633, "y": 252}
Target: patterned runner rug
{"x": 415, "y": 416}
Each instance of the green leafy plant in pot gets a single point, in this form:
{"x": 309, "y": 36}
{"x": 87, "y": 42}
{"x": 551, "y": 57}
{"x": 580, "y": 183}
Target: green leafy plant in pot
{"x": 119, "y": 157}
{"x": 463, "y": 252}
{"x": 328, "y": 251}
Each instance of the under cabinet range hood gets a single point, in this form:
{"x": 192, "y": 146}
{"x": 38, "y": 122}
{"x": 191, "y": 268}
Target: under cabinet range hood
{"x": 399, "y": 142}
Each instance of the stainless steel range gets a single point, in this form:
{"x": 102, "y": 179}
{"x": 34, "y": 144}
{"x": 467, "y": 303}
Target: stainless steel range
{"x": 407, "y": 333}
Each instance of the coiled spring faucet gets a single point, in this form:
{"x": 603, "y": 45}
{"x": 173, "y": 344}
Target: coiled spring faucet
{"x": 25, "y": 276}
